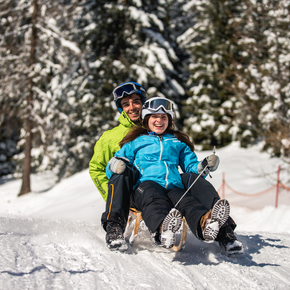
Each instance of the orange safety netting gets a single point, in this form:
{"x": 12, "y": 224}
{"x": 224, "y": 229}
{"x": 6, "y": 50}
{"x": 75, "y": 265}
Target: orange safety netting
{"x": 284, "y": 186}
{"x": 278, "y": 185}
{"x": 254, "y": 194}
{"x": 247, "y": 194}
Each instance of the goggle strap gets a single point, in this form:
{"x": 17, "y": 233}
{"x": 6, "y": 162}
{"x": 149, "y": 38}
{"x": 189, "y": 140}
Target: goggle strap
{"x": 128, "y": 88}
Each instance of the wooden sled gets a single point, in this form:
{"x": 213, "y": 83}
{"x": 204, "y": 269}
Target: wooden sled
{"x": 135, "y": 215}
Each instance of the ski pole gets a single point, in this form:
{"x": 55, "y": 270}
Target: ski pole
{"x": 191, "y": 185}
{"x": 194, "y": 181}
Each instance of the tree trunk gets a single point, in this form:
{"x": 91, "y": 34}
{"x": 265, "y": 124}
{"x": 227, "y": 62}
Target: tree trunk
{"x": 25, "y": 188}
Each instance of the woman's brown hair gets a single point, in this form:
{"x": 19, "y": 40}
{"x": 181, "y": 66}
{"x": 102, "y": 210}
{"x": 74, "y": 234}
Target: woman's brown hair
{"x": 143, "y": 129}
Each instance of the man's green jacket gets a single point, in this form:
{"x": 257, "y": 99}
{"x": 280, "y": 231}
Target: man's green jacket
{"x": 104, "y": 150}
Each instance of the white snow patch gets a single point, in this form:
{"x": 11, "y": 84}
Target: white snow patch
{"x": 52, "y": 238}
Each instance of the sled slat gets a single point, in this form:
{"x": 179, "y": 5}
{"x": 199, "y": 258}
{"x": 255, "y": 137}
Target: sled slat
{"x": 180, "y": 246}
{"x": 137, "y": 223}
{"x": 138, "y": 215}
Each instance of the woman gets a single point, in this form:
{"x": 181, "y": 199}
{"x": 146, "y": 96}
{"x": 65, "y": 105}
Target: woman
{"x": 156, "y": 150}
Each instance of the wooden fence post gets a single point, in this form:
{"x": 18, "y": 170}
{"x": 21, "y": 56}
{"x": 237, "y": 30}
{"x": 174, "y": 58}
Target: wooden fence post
{"x": 223, "y": 186}
{"x": 278, "y": 185}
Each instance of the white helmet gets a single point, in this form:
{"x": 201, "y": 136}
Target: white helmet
{"x": 158, "y": 105}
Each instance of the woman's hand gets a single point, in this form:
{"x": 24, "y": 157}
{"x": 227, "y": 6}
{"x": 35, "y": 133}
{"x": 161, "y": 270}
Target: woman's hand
{"x": 118, "y": 164}
{"x": 211, "y": 162}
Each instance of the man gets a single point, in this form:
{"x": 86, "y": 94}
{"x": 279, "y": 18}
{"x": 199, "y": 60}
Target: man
{"x": 129, "y": 98}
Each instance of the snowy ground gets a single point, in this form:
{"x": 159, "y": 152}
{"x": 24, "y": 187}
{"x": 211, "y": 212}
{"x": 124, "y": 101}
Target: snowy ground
{"x": 52, "y": 238}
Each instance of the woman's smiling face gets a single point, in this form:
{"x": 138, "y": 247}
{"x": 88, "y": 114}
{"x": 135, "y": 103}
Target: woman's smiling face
{"x": 158, "y": 123}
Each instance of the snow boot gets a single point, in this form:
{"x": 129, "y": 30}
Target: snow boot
{"x": 169, "y": 227}
{"x": 156, "y": 238}
{"x": 229, "y": 242}
{"x": 212, "y": 221}
{"x": 115, "y": 238}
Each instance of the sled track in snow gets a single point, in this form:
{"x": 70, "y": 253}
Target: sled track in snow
{"x": 37, "y": 254}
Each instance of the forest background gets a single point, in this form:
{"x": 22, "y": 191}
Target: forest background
{"x": 225, "y": 64}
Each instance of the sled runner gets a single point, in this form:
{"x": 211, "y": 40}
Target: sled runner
{"x": 135, "y": 217}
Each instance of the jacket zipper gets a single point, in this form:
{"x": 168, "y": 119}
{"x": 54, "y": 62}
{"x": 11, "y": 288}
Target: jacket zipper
{"x": 161, "y": 148}
{"x": 161, "y": 152}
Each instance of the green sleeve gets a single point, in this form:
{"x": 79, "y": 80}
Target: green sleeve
{"x": 104, "y": 150}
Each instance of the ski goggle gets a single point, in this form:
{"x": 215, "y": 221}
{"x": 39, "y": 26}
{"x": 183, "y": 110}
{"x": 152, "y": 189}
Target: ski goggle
{"x": 127, "y": 88}
{"x": 155, "y": 104}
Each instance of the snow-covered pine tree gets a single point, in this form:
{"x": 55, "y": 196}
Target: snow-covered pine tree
{"x": 246, "y": 66}
{"x": 17, "y": 58}
{"x": 130, "y": 40}
{"x": 209, "y": 111}
{"x": 162, "y": 56}
{"x": 82, "y": 52}
{"x": 10, "y": 95}
{"x": 63, "y": 148}
{"x": 224, "y": 55}
{"x": 49, "y": 72}
{"x": 275, "y": 114}
{"x": 262, "y": 74}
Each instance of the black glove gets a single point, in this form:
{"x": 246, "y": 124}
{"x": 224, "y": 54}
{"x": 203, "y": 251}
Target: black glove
{"x": 212, "y": 162}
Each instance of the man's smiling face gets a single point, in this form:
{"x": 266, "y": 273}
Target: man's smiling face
{"x": 132, "y": 105}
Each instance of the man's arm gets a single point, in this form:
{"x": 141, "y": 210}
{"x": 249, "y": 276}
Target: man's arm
{"x": 104, "y": 150}
{"x": 97, "y": 168}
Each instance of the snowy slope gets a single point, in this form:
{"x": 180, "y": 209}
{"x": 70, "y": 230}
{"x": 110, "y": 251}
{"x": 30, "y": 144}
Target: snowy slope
{"x": 52, "y": 238}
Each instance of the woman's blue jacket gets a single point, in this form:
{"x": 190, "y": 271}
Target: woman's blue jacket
{"x": 157, "y": 158}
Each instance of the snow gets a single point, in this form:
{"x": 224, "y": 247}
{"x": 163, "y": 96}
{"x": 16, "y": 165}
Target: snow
{"x": 178, "y": 88}
{"x": 157, "y": 37}
{"x": 52, "y": 238}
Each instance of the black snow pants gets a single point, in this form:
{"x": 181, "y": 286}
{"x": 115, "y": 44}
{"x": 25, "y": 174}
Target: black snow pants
{"x": 155, "y": 202}
{"x": 119, "y": 200}
{"x": 121, "y": 196}
{"x": 204, "y": 193}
